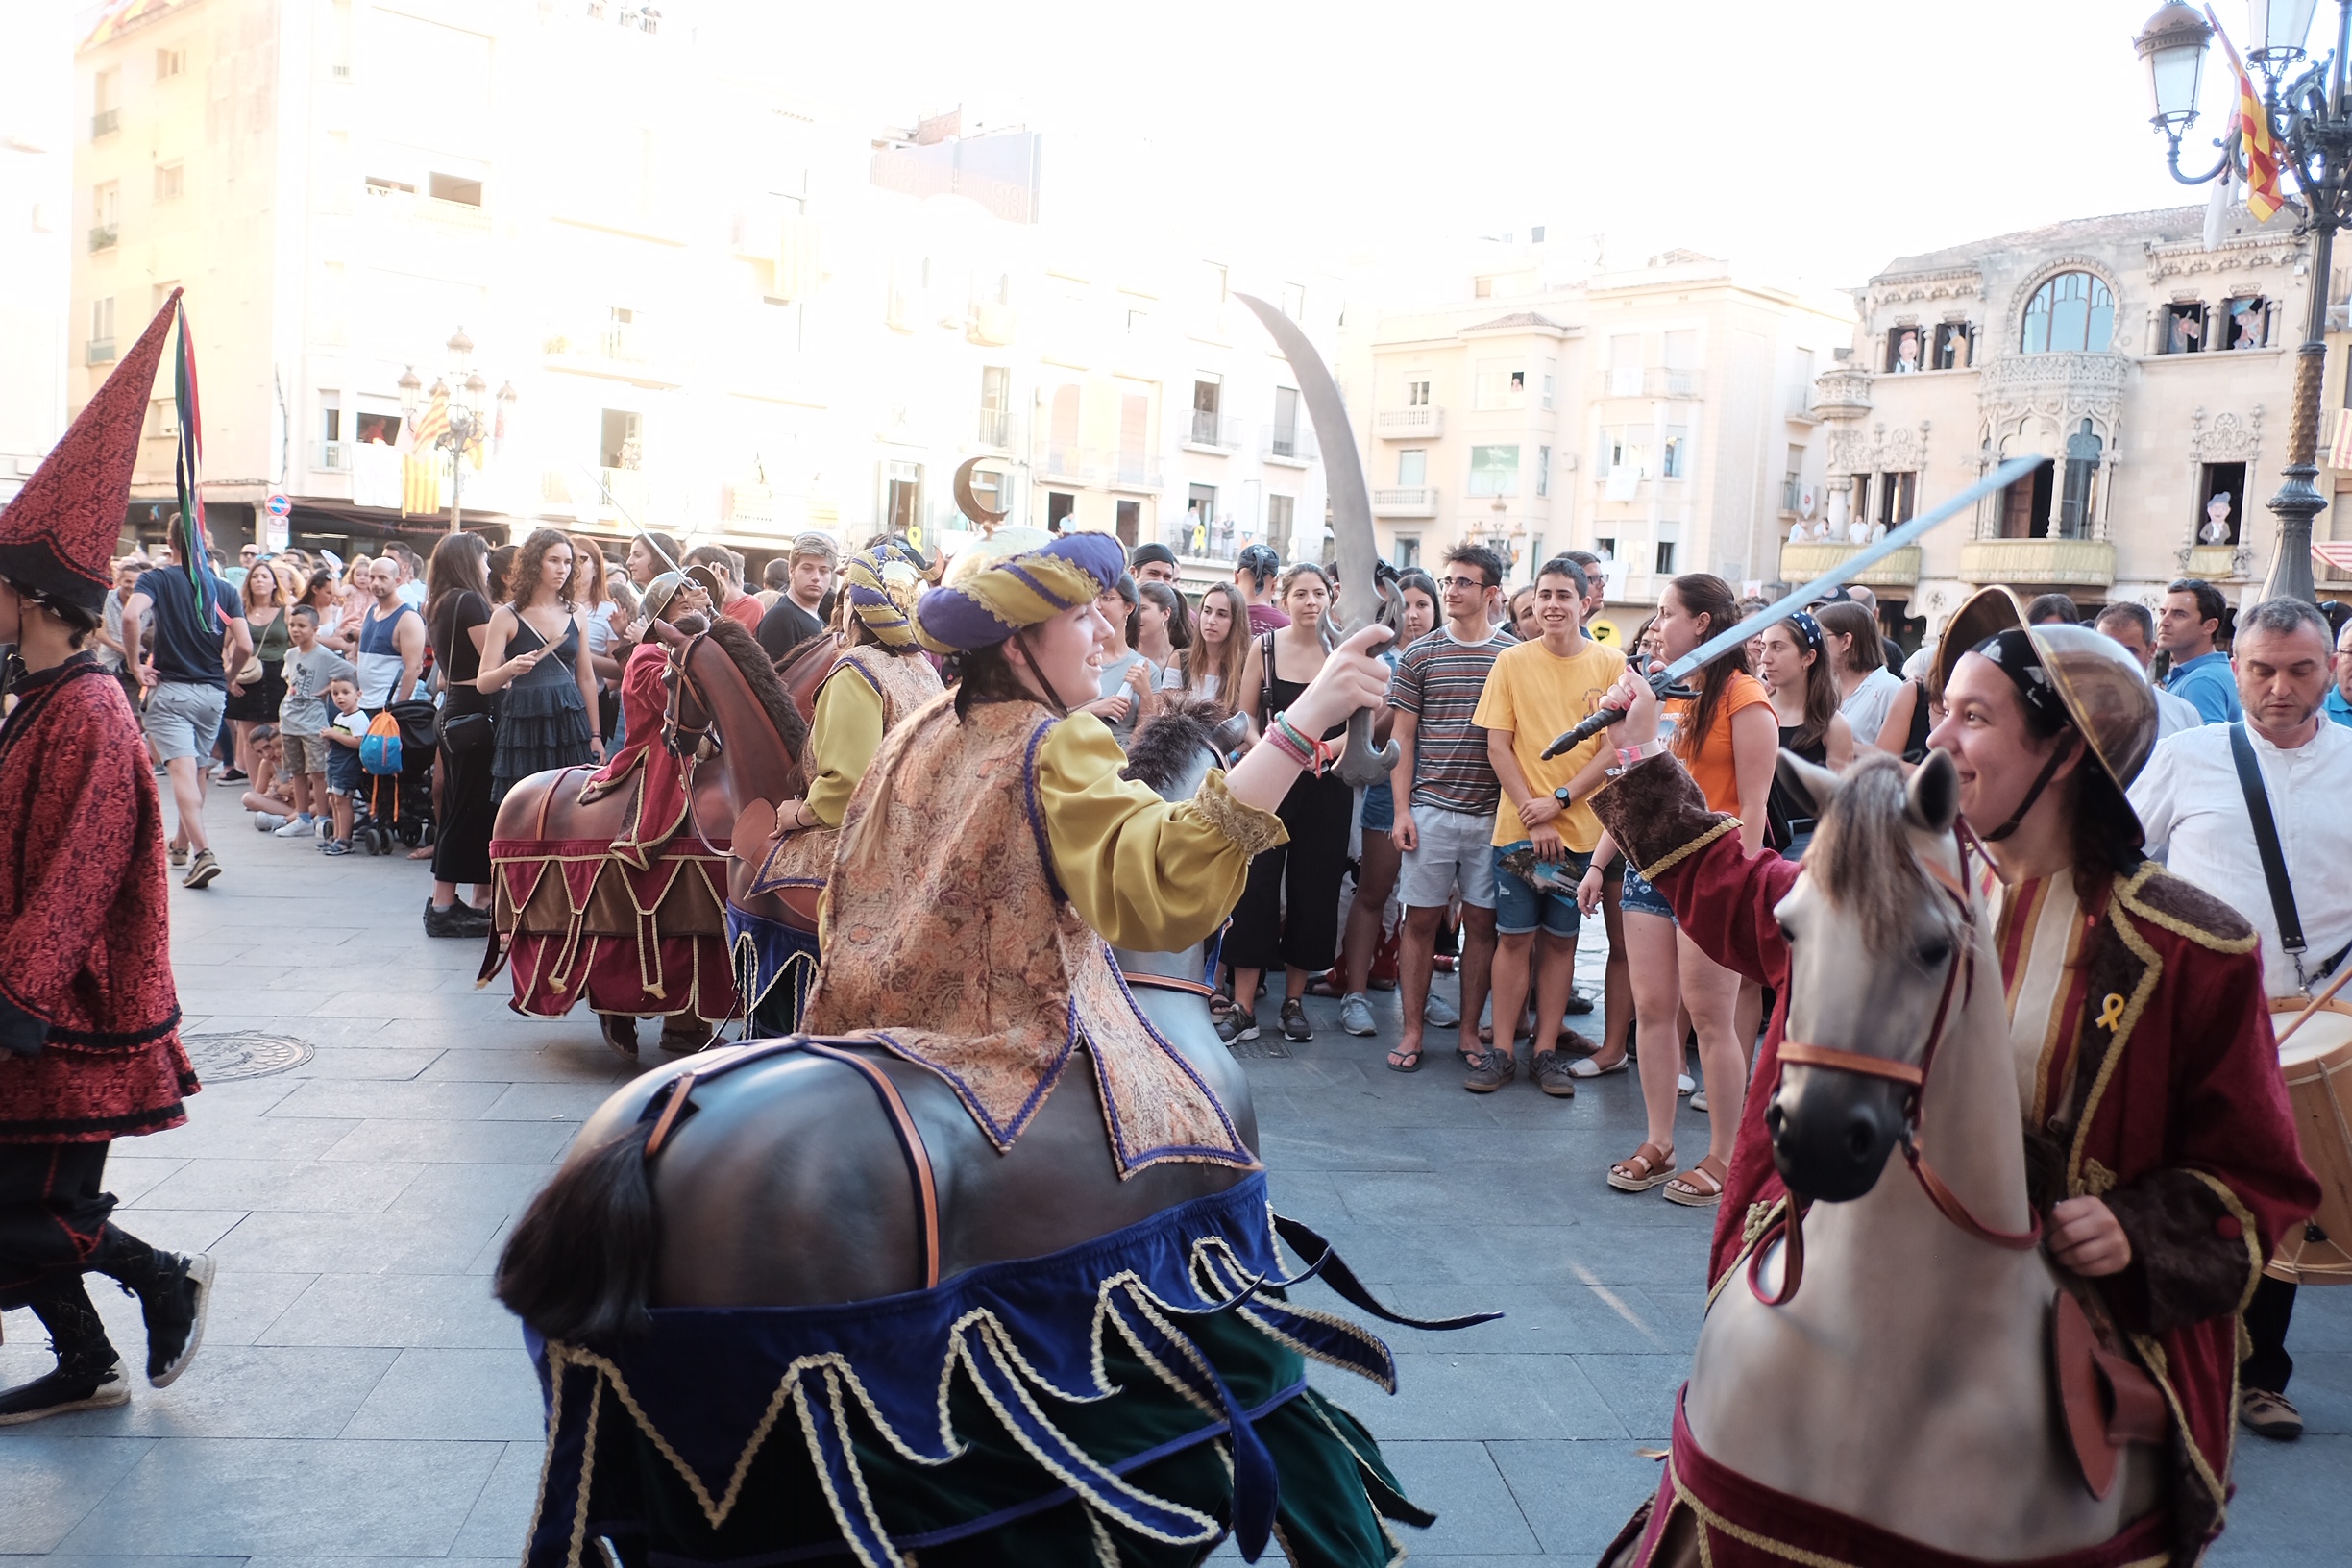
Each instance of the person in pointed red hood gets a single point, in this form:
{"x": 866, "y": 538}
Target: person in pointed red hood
{"x": 90, "y": 1018}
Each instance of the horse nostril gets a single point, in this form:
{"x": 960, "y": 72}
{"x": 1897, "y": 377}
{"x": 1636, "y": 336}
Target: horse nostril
{"x": 1774, "y": 1119}
{"x": 1861, "y": 1137}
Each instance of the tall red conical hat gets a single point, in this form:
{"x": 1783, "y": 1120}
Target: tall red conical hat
{"x": 57, "y": 537}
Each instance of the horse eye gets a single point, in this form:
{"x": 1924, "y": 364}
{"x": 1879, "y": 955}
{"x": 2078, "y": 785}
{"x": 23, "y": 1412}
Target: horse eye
{"x": 1787, "y": 935}
{"x": 1934, "y": 954}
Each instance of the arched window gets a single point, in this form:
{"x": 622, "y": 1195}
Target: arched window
{"x": 2072, "y": 312}
{"x": 2082, "y": 460}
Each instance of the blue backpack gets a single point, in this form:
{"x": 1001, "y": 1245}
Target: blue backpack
{"x": 379, "y": 748}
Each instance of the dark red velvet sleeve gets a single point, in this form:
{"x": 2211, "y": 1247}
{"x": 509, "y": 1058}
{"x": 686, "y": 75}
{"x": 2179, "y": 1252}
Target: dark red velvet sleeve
{"x": 1724, "y": 899}
{"x": 76, "y": 846}
{"x": 2228, "y": 1127}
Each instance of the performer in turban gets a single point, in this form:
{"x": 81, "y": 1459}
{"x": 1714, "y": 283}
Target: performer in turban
{"x": 90, "y": 1020}
{"x": 646, "y": 941}
{"x": 881, "y": 679}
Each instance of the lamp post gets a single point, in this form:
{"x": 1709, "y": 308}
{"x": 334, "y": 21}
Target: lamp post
{"x": 466, "y": 423}
{"x": 2310, "y": 131}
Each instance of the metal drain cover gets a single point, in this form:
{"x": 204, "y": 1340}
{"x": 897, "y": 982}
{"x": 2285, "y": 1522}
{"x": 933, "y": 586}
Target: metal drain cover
{"x": 1260, "y": 1046}
{"x": 245, "y": 1053}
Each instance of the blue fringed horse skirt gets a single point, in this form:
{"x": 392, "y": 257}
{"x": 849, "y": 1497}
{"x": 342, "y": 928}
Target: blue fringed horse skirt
{"x": 1132, "y": 1400}
{"x": 774, "y": 965}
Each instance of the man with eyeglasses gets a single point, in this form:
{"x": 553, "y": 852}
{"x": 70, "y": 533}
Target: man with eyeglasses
{"x": 1595, "y": 590}
{"x": 1446, "y": 795}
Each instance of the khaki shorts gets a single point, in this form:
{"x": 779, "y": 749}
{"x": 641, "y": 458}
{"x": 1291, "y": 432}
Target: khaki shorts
{"x": 305, "y": 753}
{"x": 184, "y": 719}
{"x": 1454, "y": 850}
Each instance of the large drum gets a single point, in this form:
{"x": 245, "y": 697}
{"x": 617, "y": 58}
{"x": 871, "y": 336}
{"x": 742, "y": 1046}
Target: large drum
{"x": 2318, "y": 1066}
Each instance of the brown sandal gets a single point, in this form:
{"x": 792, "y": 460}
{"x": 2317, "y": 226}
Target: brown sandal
{"x": 1685, "y": 1190}
{"x": 1643, "y": 1169}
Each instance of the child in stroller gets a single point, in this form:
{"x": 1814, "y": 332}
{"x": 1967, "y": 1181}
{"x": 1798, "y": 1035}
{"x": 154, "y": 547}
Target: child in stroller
{"x": 375, "y": 810}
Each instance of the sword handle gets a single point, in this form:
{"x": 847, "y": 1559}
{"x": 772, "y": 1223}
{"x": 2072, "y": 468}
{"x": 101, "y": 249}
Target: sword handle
{"x": 1664, "y": 685}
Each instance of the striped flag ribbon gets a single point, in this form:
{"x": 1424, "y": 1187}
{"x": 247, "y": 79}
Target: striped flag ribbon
{"x": 2264, "y": 198}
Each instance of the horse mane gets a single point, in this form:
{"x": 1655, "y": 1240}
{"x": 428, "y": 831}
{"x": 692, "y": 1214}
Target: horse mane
{"x": 743, "y": 651}
{"x": 1862, "y": 857}
{"x": 1167, "y": 749}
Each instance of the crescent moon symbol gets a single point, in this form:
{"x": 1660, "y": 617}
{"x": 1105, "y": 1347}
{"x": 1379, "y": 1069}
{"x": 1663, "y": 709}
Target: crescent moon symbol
{"x": 969, "y": 503}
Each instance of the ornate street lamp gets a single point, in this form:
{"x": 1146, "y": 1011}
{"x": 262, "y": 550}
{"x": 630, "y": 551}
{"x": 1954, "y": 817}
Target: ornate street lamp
{"x": 2310, "y": 132}
{"x": 469, "y": 422}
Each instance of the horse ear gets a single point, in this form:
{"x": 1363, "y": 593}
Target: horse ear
{"x": 1809, "y": 779}
{"x": 1933, "y": 799}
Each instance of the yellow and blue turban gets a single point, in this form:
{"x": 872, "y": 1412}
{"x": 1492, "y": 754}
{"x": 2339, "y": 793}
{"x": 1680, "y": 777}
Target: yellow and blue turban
{"x": 984, "y": 607}
{"x": 882, "y": 583}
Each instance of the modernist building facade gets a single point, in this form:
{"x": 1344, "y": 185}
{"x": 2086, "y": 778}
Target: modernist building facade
{"x": 2147, "y": 362}
{"x": 1657, "y": 415}
{"x": 725, "y": 308}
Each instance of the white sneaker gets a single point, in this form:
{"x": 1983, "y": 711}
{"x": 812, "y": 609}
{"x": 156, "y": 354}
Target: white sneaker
{"x": 1683, "y": 1084}
{"x": 267, "y": 822}
{"x": 301, "y": 827}
{"x": 1355, "y": 1014}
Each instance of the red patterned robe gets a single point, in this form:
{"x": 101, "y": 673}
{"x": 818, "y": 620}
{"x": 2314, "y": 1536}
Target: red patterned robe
{"x": 86, "y": 980}
{"x": 2182, "y": 1123}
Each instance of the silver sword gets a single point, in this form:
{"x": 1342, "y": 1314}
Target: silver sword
{"x": 1845, "y": 570}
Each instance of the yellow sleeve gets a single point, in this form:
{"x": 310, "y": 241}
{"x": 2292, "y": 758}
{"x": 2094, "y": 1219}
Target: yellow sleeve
{"x": 843, "y": 739}
{"x": 1148, "y": 874}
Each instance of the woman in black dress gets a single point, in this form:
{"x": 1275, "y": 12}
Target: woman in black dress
{"x": 535, "y": 650}
{"x": 457, "y": 620}
{"x": 252, "y": 704}
{"x": 1794, "y": 666}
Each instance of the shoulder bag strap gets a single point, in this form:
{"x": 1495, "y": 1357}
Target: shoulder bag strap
{"x": 1914, "y": 746}
{"x": 2266, "y": 842}
{"x": 1266, "y": 691}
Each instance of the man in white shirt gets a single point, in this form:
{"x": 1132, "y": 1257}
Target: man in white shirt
{"x": 2196, "y": 812}
{"x": 2132, "y": 626}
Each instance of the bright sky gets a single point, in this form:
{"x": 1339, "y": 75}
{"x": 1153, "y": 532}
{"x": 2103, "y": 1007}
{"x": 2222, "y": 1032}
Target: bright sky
{"x": 1815, "y": 141}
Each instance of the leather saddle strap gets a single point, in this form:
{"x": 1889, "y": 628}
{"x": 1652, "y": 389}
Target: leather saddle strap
{"x": 1167, "y": 982}
{"x": 910, "y": 1144}
{"x": 1798, "y": 1053}
{"x": 546, "y": 799}
{"x": 1790, "y": 1228}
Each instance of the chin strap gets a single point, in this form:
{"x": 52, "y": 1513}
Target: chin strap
{"x": 1053, "y": 699}
{"x": 2049, "y": 770}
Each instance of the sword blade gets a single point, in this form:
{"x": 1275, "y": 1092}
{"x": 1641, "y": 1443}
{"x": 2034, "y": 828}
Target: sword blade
{"x": 1851, "y": 567}
{"x": 1845, "y": 572}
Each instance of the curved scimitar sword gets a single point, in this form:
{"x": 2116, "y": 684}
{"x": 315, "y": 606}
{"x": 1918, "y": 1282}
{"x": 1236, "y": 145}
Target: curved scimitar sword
{"x": 1362, "y": 764}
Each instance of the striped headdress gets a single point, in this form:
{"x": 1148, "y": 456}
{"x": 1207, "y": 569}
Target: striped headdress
{"x": 883, "y": 583}
{"x": 986, "y": 606}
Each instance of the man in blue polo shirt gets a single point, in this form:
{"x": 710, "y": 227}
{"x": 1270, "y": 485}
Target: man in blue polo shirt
{"x": 2187, "y": 628}
{"x": 2339, "y": 704}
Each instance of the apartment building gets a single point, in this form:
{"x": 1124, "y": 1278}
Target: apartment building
{"x": 2148, "y": 362}
{"x": 1657, "y": 415}
{"x": 36, "y": 212}
{"x": 684, "y": 293}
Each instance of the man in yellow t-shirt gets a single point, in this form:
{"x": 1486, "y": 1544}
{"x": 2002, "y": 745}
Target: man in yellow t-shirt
{"x": 1544, "y": 832}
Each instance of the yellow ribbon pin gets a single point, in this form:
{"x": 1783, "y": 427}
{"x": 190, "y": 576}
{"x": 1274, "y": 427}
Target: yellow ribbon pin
{"x": 2111, "y": 1013}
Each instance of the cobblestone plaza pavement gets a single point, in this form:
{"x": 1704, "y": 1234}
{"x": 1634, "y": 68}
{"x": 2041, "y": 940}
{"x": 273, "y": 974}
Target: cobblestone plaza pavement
{"x": 361, "y": 1395}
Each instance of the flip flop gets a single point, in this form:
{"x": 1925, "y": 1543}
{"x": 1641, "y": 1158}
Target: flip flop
{"x": 1403, "y": 1061}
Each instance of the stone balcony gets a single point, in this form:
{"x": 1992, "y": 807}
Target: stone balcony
{"x": 1805, "y": 562}
{"x": 2052, "y": 563}
{"x": 1842, "y": 394}
{"x": 2218, "y": 563}
{"x": 2060, "y": 386}
{"x": 1405, "y": 501}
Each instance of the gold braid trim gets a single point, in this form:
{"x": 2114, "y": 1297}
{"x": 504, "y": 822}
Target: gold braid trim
{"x": 1669, "y": 861}
{"x": 1255, "y": 831}
{"x": 2118, "y": 1041}
{"x": 2126, "y": 894}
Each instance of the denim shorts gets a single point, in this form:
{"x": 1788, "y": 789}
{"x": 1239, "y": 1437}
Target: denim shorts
{"x": 344, "y": 775}
{"x": 1379, "y": 808}
{"x": 1641, "y": 898}
{"x": 1520, "y": 907}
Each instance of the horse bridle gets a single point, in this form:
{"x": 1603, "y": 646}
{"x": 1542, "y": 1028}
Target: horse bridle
{"x": 1959, "y": 979}
{"x": 705, "y": 739}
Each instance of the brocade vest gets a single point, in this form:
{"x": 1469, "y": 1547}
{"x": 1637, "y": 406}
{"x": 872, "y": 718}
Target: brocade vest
{"x": 953, "y": 947}
{"x": 905, "y": 682}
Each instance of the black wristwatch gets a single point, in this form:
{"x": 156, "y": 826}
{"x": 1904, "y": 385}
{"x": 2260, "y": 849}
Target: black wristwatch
{"x": 1562, "y": 795}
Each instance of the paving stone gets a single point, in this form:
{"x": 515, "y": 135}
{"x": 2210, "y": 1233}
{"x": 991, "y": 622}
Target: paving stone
{"x": 331, "y": 1244}
{"x": 53, "y": 1482}
{"x": 276, "y": 1184}
{"x": 241, "y": 1391}
{"x": 460, "y": 1142}
{"x": 442, "y": 1311}
{"x": 388, "y": 1101}
{"x": 502, "y": 1513}
{"x": 226, "y": 1496}
{"x": 471, "y": 1394}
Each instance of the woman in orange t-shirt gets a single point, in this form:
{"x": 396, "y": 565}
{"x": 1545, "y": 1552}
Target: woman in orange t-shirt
{"x": 1729, "y": 739}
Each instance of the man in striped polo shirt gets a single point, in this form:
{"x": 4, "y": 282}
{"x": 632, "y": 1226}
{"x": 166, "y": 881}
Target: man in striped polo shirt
{"x": 1446, "y": 794}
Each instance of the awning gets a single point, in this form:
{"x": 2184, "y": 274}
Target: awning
{"x": 2335, "y": 552}
{"x": 343, "y": 517}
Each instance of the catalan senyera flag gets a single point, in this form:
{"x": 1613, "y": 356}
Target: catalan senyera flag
{"x": 433, "y": 422}
{"x": 421, "y": 485}
{"x": 2263, "y": 195}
